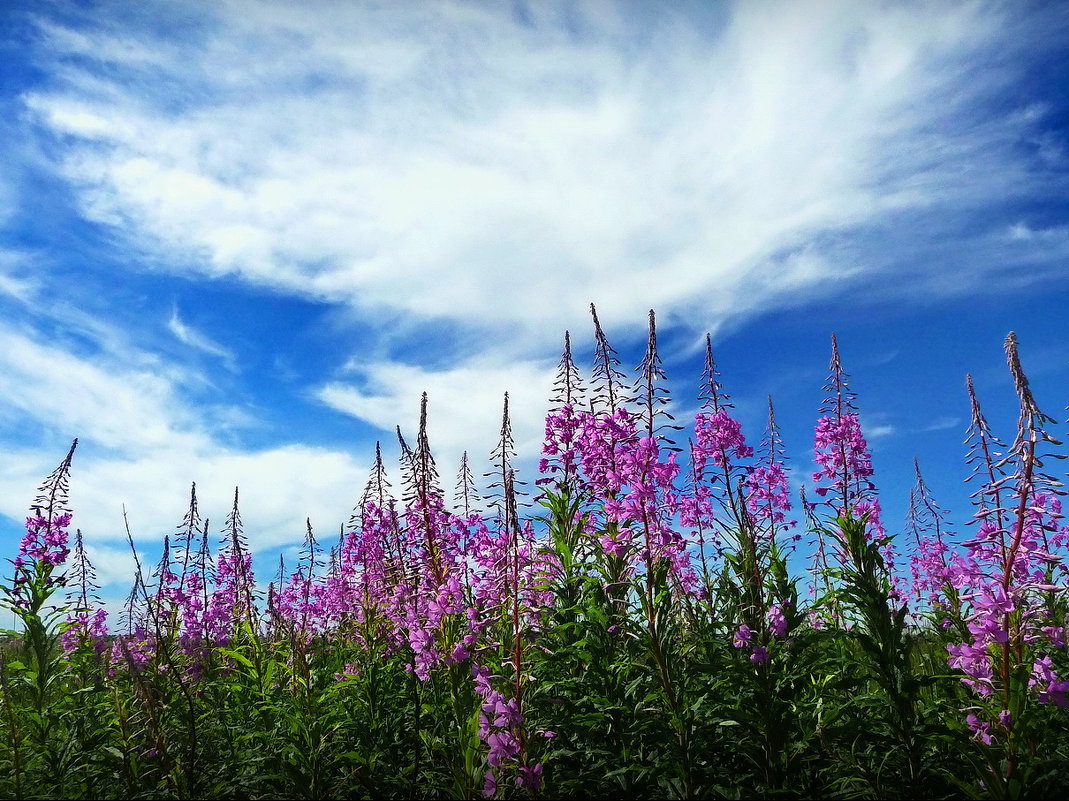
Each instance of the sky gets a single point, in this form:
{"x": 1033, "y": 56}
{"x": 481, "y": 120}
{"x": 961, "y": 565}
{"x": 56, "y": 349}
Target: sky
{"x": 239, "y": 239}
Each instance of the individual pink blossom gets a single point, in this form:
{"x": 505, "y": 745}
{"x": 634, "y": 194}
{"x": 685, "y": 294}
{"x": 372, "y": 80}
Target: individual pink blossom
{"x": 777, "y": 621}
{"x": 718, "y": 438}
{"x": 743, "y": 635}
{"x": 768, "y": 494}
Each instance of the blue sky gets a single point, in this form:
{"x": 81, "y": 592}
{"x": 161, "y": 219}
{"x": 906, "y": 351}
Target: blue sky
{"x": 239, "y": 239}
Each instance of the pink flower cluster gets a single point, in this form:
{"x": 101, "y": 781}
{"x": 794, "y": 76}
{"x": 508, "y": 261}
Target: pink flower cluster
{"x": 768, "y": 493}
{"x": 43, "y": 547}
{"x": 718, "y": 437}
{"x": 500, "y": 727}
{"x": 45, "y": 541}
{"x": 844, "y": 459}
{"x": 90, "y": 628}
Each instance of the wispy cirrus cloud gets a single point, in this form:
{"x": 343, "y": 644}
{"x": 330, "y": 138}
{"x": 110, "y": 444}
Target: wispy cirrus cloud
{"x": 432, "y": 160}
{"x": 190, "y": 336}
{"x": 465, "y": 402}
{"x": 143, "y": 442}
{"x": 16, "y": 280}
{"x": 942, "y": 424}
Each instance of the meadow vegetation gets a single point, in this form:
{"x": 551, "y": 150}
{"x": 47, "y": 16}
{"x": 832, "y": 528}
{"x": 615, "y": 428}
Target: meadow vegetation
{"x": 655, "y": 617}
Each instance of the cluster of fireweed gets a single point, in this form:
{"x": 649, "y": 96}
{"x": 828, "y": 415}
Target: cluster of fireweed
{"x": 499, "y": 724}
{"x": 367, "y": 592}
{"x": 634, "y": 478}
{"x": 845, "y": 467}
{"x": 365, "y": 565}
{"x": 441, "y": 585}
{"x": 738, "y": 499}
{"x": 560, "y": 452}
{"x": 632, "y": 475}
{"x": 400, "y": 575}
{"x": 1006, "y": 590}
{"x": 301, "y": 600}
{"x": 716, "y": 451}
{"x": 231, "y": 599}
{"x": 44, "y": 543}
{"x": 155, "y": 622}
{"x": 435, "y": 583}
{"x": 615, "y": 458}
{"x": 844, "y": 480}
{"x": 765, "y": 609}
{"x": 638, "y": 486}
{"x": 710, "y": 506}
{"x": 718, "y": 439}
{"x": 431, "y": 591}
{"x": 1009, "y": 576}
{"x": 193, "y": 604}
{"x": 761, "y": 508}
{"x": 768, "y": 497}
{"x": 499, "y": 621}
{"x": 437, "y": 593}
{"x": 411, "y": 574}
{"x": 42, "y": 549}
{"x": 85, "y": 626}
{"x": 746, "y": 637}
{"x": 932, "y": 554}
{"x": 501, "y": 728}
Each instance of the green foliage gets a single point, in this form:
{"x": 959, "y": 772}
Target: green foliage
{"x": 634, "y": 690}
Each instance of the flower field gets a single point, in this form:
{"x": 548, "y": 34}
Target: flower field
{"x": 657, "y": 616}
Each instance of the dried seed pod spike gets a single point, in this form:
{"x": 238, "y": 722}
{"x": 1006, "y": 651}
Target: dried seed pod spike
{"x": 52, "y": 496}
{"x": 652, "y": 394}
{"x": 608, "y": 381}
{"x": 568, "y": 387}
{"x": 711, "y": 393}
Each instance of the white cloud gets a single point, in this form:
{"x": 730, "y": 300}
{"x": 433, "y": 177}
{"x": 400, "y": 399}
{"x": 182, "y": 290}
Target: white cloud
{"x": 120, "y": 409}
{"x": 942, "y": 424}
{"x": 15, "y": 279}
{"x": 279, "y": 488}
{"x": 1053, "y": 237}
{"x": 188, "y": 335}
{"x": 464, "y": 406}
{"x": 114, "y": 565}
{"x": 877, "y": 430}
{"x": 142, "y": 445}
{"x": 446, "y": 161}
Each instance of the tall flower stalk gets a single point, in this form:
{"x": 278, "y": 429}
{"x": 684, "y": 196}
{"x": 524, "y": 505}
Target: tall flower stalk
{"x": 42, "y": 551}
{"x": 1007, "y": 578}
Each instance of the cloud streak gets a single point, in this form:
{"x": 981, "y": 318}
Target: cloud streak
{"x": 432, "y": 160}
{"x": 190, "y": 336}
{"x": 144, "y": 443}
{"x": 464, "y": 402}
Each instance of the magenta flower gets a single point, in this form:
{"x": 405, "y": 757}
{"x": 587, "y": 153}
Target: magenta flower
{"x": 759, "y": 655}
{"x": 768, "y": 493}
{"x": 718, "y": 437}
{"x": 777, "y": 621}
{"x": 980, "y": 729}
{"x": 743, "y": 635}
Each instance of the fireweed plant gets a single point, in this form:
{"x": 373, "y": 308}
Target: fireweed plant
{"x": 633, "y": 622}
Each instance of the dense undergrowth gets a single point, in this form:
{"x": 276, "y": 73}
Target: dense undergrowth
{"x": 640, "y": 631}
